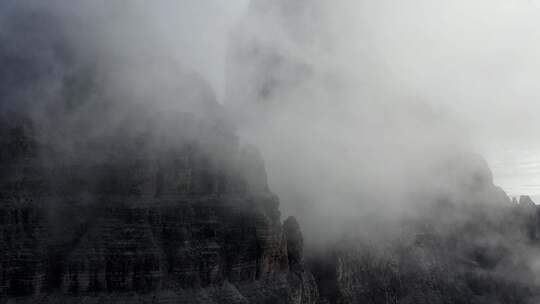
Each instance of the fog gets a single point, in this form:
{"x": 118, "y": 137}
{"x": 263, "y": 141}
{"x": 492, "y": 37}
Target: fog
{"x": 378, "y": 122}
{"x": 357, "y": 106}
{"x": 473, "y": 60}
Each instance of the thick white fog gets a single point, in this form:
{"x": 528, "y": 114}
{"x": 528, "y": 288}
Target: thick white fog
{"x": 365, "y": 96}
{"x": 474, "y": 59}
{"x": 477, "y": 60}
{"x": 394, "y": 133}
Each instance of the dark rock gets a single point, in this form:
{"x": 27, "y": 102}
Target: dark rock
{"x": 295, "y": 242}
{"x": 481, "y": 254}
{"x": 185, "y": 220}
{"x": 526, "y": 202}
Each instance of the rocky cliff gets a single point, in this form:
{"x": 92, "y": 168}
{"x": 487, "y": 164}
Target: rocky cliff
{"x": 122, "y": 181}
{"x": 159, "y": 220}
{"x": 419, "y": 219}
{"x": 479, "y": 250}
{"x": 164, "y": 216}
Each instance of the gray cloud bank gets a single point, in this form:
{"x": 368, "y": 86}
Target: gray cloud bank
{"x": 357, "y": 106}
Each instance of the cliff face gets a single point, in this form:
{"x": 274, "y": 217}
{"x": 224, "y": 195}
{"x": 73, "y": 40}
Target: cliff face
{"x": 124, "y": 183}
{"x": 481, "y": 249}
{"x": 121, "y": 180}
{"x": 159, "y": 218}
{"x": 455, "y": 237}
{"x": 154, "y": 220}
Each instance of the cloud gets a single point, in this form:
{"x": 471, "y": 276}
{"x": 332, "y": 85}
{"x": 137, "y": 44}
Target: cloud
{"x": 358, "y": 104}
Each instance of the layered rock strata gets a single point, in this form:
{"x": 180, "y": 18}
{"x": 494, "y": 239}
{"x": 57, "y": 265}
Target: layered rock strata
{"x": 155, "y": 222}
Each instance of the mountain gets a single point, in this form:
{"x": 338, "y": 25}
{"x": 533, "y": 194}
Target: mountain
{"x": 154, "y": 207}
{"x": 158, "y": 220}
{"x": 395, "y": 207}
{"x": 123, "y": 180}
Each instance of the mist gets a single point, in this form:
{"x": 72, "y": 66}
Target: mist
{"x": 358, "y": 105}
{"x": 396, "y": 133}
{"x": 354, "y": 105}
{"x": 470, "y": 61}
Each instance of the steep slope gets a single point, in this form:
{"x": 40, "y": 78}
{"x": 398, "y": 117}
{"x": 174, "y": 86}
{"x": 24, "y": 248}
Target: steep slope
{"x": 479, "y": 250}
{"x": 395, "y": 206}
{"x": 164, "y": 208}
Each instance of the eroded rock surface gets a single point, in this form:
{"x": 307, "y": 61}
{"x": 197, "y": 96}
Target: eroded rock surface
{"x": 474, "y": 247}
{"x": 159, "y": 218}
